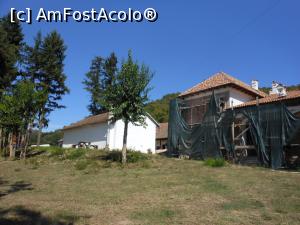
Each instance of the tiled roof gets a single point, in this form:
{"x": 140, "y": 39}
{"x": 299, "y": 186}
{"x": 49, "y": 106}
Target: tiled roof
{"x": 100, "y": 118}
{"x": 272, "y": 98}
{"x": 162, "y": 131}
{"x": 218, "y": 80}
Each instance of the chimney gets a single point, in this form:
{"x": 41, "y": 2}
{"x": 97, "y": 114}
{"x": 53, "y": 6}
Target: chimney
{"x": 254, "y": 84}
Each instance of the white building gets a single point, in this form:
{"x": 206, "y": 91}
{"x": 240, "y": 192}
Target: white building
{"x": 98, "y": 130}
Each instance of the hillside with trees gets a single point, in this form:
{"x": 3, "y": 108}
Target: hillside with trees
{"x": 288, "y": 88}
{"x": 159, "y": 108}
{"x": 52, "y": 137}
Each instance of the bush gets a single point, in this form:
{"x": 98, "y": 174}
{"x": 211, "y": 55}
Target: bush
{"x": 219, "y": 162}
{"x": 132, "y": 156}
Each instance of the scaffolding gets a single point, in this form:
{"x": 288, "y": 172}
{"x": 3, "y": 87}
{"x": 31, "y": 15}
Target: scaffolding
{"x": 260, "y": 132}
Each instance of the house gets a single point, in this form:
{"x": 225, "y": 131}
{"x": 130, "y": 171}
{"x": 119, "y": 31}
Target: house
{"x": 162, "y": 136}
{"x": 228, "y": 90}
{"x": 99, "y": 131}
{"x": 254, "y": 124}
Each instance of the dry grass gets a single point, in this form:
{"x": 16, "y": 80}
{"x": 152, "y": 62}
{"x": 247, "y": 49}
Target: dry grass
{"x": 91, "y": 190}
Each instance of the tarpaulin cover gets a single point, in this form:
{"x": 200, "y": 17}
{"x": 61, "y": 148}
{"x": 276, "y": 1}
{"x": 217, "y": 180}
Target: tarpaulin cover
{"x": 271, "y": 127}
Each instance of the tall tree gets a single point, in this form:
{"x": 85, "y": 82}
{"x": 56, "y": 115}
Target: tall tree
{"x": 101, "y": 75}
{"x": 45, "y": 68}
{"x": 110, "y": 70}
{"x": 93, "y": 85}
{"x": 126, "y": 97}
{"x": 11, "y": 41}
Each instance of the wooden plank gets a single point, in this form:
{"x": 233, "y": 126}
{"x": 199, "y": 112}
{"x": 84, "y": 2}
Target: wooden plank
{"x": 244, "y": 131}
{"x": 241, "y": 147}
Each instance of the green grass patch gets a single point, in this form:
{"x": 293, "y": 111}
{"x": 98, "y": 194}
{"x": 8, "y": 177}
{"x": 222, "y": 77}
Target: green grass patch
{"x": 158, "y": 190}
{"x": 82, "y": 164}
{"x": 215, "y": 186}
{"x": 154, "y": 216}
{"x": 132, "y": 156}
{"x": 219, "y": 162}
{"x": 242, "y": 204}
{"x": 73, "y": 154}
{"x": 55, "y": 151}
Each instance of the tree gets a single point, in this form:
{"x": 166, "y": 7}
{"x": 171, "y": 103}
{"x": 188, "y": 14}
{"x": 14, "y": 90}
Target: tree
{"x": 17, "y": 113}
{"x": 126, "y": 97}
{"x": 92, "y": 84}
{"x": 11, "y": 41}
{"x": 101, "y": 75}
{"x": 110, "y": 70}
{"x": 46, "y": 69}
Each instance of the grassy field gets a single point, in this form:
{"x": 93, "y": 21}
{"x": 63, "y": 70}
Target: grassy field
{"x": 57, "y": 187}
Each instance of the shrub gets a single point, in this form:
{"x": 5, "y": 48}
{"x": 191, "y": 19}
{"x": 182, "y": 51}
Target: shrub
{"x": 219, "y": 162}
{"x": 132, "y": 156}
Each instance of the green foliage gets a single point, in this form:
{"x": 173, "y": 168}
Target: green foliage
{"x": 127, "y": 95}
{"x": 219, "y": 162}
{"x": 102, "y": 73}
{"x": 44, "y": 65}
{"x": 132, "y": 156}
{"x": 73, "y": 154}
{"x": 54, "y": 151}
{"x": 19, "y": 107}
{"x": 11, "y": 38}
{"x": 159, "y": 109}
{"x": 82, "y": 158}
{"x": 93, "y": 85}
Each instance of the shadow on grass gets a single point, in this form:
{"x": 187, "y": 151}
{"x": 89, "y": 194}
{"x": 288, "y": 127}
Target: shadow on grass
{"x": 15, "y": 187}
{"x": 19, "y": 215}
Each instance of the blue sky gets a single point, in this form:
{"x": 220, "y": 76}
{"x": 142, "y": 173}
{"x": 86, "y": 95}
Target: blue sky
{"x": 191, "y": 40}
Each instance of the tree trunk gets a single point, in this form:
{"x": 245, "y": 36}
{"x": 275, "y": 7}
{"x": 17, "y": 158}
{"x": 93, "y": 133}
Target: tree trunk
{"x": 38, "y": 142}
{"x": 12, "y": 152}
{"x": 27, "y": 138}
{"x": 124, "y": 149}
{"x": 1, "y": 140}
{"x": 22, "y": 145}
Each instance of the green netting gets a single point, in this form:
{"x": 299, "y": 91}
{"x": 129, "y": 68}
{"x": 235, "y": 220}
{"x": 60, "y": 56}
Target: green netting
{"x": 271, "y": 128}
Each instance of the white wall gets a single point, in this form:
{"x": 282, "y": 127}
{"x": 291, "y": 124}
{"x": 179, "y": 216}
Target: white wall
{"x": 96, "y": 134}
{"x": 139, "y": 138}
{"x": 237, "y": 97}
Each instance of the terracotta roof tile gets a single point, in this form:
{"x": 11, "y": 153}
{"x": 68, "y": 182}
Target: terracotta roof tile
{"x": 100, "y": 118}
{"x": 219, "y": 80}
{"x": 272, "y": 98}
{"x": 162, "y": 131}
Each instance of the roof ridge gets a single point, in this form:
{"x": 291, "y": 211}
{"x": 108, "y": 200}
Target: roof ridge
{"x": 217, "y": 80}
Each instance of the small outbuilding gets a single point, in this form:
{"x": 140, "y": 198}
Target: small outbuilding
{"x": 99, "y": 131}
{"x": 162, "y": 136}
